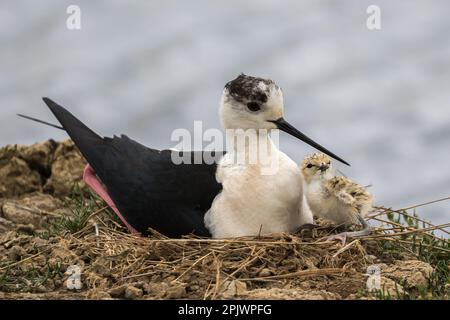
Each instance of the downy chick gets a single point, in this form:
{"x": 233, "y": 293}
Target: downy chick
{"x": 335, "y": 198}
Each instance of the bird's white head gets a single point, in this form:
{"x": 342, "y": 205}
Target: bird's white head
{"x": 316, "y": 167}
{"x": 251, "y": 103}
{"x": 256, "y": 103}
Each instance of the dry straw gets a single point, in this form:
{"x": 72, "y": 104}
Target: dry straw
{"x": 253, "y": 260}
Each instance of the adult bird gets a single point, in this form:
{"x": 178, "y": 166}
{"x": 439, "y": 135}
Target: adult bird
{"x": 246, "y": 192}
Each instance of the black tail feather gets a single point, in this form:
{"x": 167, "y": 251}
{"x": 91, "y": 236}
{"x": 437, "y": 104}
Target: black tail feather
{"x": 90, "y": 144}
{"x": 70, "y": 123}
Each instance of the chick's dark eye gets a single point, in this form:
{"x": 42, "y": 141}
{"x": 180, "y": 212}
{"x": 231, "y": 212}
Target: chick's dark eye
{"x": 309, "y": 165}
{"x": 253, "y": 106}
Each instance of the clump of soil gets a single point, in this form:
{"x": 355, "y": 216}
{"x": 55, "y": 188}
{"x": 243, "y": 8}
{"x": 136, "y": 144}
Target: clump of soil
{"x": 49, "y": 166}
{"x": 58, "y": 241}
{"x": 66, "y": 170}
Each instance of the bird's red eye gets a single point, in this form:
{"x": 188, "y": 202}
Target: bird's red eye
{"x": 309, "y": 165}
{"x": 253, "y": 106}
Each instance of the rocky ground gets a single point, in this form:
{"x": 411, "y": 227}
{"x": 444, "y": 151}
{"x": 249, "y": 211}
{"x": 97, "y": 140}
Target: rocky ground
{"x": 50, "y": 222}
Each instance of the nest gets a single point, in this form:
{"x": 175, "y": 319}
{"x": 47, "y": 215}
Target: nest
{"x": 114, "y": 261}
{"x": 218, "y": 262}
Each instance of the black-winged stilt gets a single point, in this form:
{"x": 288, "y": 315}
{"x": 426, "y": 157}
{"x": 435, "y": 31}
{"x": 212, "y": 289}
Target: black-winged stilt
{"x": 225, "y": 199}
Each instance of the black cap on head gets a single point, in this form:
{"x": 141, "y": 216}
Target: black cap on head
{"x": 247, "y": 88}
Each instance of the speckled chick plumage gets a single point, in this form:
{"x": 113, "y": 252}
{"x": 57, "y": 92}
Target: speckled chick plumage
{"x": 336, "y": 198}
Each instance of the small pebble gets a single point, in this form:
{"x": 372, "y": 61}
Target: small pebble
{"x": 26, "y": 228}
{"x": 16, "y": 253}
{"x": 177, "y": 292}
{"x": 265, "y": 272}
{"x": 133, "y": 293}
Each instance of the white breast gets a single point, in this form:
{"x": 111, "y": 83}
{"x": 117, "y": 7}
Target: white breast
{"x": 253, "y": 203}
{"x": 327, "y": 206}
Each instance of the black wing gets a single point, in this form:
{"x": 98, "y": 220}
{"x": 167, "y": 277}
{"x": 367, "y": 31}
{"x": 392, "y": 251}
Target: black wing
{"x": 148, "y": 188}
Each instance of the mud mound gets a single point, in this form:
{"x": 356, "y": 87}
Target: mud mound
{"x": 49, "y": 166}
{"x": 17, "y": 177}
{"x": 32, "y": 212}
{"x": 66, "y": 169}
{"x": 116, "y": 265}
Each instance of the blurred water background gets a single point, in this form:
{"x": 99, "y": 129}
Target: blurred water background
{"x": 380, "y": 99}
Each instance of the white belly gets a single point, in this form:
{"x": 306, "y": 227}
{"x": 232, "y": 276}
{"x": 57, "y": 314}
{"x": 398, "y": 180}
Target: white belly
{"x": 252, "y": 203}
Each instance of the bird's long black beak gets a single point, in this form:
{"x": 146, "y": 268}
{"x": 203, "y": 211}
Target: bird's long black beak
{"x": 283, "y": 125}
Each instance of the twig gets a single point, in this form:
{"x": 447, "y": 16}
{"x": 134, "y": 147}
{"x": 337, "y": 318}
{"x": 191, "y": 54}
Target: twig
{"x": 446, "y": 225}
{"x": 303, "y": 273}
{"x": 411, "y": 207}
{"x": 35, "y": 211}
{"x": 193, "y": 265}
{"x": 344, "y": 248}
{"x": 412, "y": 243}
{"x": 404, "y": 213}
{"x": 23, "y": 260}
{"x": 400, "y": 226}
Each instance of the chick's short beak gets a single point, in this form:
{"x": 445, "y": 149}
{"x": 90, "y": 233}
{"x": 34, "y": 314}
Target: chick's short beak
{"x": 323, "y": 167}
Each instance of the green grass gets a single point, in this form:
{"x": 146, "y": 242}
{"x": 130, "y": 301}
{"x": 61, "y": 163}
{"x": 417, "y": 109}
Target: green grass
{"x": 17, "y": 279}
{"x": 81, "y": 204}
{"x": 425, "y": 247}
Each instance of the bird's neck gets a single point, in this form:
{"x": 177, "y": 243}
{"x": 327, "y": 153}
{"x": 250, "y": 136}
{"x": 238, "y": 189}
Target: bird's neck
{"x": 255, "y": 146}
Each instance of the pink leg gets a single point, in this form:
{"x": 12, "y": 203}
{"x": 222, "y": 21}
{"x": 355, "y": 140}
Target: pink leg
{"x": 92, "y": 181}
